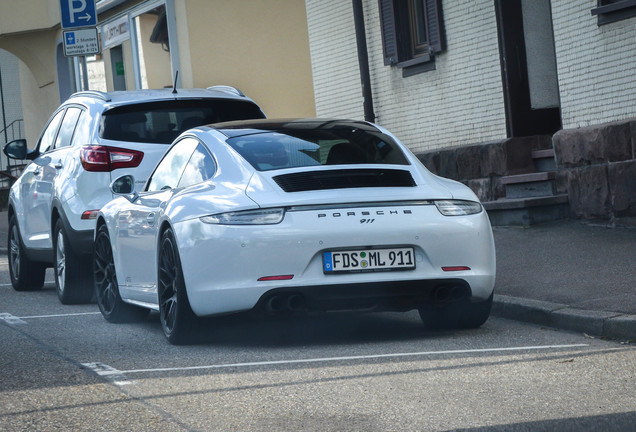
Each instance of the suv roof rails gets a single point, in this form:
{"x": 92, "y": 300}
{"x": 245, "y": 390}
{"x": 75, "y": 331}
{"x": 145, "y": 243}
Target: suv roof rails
{"x": 92, "y": 93}
{"x": 227, "y": 89}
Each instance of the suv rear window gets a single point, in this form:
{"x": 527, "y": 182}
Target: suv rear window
{"x": 271, "y": 150}
{"x": 161, "y": 122}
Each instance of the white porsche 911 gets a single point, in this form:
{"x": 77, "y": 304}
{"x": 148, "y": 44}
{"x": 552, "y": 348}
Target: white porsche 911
{"x": 288, "y": 216}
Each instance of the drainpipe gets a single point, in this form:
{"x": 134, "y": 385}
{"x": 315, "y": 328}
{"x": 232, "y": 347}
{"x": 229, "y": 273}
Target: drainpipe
{"x": 363, "y": 60}
{"x": 4, "y": 118}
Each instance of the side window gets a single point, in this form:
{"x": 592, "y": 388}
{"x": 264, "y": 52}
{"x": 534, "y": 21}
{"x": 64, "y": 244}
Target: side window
{"x": 200, "y": 168}
{"x": 412, "y": 33}
{"x": 84, "y": 130}
{"x": 169, "y": 170}
{"x": 65, "y": 135}
{"x": 49, "y": 134}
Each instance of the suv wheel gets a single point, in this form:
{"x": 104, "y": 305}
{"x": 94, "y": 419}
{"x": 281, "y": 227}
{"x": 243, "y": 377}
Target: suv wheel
{"x": 72, "y": 271}
{"x": 26, "y": 275}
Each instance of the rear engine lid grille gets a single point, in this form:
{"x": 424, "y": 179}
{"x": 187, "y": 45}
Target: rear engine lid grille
{"x": 344, "y": 179}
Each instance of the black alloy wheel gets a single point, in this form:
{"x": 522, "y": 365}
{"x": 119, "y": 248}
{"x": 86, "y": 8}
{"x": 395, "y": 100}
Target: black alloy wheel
{"x": 110, "y": 303}
{"x": 175, "y": 313}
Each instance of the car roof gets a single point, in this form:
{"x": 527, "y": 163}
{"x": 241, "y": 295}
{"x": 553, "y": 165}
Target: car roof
{"x": 116, "y": 98}
{"x": 247, "y": 127}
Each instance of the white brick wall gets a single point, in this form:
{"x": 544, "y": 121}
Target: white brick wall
{"x": 334, "y": 59}
{"x": 459, "y": 103}
{"x": 596, "y": 65}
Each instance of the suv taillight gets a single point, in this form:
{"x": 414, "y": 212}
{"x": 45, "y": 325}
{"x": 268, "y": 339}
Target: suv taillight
{"x": 106, "y": 159}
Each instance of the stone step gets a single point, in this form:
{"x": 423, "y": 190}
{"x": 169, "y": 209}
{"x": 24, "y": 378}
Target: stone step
{"x": 527, "y": 211}
{"x": 544, "y": 160}
{"x": 530, "y": 185}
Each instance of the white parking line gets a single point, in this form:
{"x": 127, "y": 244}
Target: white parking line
{"x": 60, "y": 315}
{"x": 14, "y": 320}
{"x": 10, "y": 319}
{"x": 112, "y": 373}
{"x": 8, "y": 284}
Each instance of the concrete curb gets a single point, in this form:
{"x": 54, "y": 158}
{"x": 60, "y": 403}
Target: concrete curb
{"x": 612, "y": 325}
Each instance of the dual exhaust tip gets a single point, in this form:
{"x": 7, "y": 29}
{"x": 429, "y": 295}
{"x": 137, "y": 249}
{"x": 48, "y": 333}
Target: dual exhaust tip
{"x": 286, "y": 303}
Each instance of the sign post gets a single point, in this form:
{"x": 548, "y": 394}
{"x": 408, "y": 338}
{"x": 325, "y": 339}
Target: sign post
{"x": 80, "y": 38}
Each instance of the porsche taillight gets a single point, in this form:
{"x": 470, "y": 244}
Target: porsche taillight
{"x": 105, "y": 159}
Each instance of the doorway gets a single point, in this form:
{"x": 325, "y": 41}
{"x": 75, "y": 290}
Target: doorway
{"x": 118, "y": 69}
{"x": 528, "y": 64}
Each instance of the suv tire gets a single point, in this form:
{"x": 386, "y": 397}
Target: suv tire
{"x": 26, "y": 275}
{"x": 73, "y": 272}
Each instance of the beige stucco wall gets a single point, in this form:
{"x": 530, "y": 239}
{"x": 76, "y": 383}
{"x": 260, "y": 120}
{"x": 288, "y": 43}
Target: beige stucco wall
{"x": 38, "y": 103}
{"x": 261, "y": 47}
{"x": 38, "y": 81}
{"x": 28, "y": 15}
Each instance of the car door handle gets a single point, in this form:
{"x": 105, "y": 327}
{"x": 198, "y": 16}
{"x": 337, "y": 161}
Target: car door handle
{"x": 150, "y": 219}
{"x": 58, "y": 166}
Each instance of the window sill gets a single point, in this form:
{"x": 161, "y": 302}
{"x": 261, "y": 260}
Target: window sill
{"x": 616, "y": 11}
{"x": 417, "y": 65}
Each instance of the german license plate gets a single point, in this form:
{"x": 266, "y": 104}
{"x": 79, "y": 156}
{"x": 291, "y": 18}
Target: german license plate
{"x": 368, "y": 260}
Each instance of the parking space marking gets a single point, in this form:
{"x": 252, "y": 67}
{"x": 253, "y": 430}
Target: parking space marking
{"x": 10, "y": 285}
{"x": 108, "y": 372}
{"x": 10, "y": 319}
{"x": 60, "y": 315}
{"x": 112, "y": 373}
{"x": 14, "y": 320}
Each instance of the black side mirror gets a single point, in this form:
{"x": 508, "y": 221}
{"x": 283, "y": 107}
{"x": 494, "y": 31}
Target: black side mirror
{"x": 16, "y": 149}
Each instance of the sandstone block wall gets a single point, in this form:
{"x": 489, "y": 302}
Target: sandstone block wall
{"x": 599, "y": 163}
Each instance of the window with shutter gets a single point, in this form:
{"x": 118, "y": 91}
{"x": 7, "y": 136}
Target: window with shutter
{"x": 609, "y": 11}
{"x": 412, "y": 33}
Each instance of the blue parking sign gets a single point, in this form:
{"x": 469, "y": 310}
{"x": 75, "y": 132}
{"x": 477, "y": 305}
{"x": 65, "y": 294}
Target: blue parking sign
{"x": 70, "y": 38}
{"x": 78, "y": 13}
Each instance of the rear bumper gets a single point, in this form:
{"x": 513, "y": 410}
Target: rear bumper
{"x": 222, "y": 264}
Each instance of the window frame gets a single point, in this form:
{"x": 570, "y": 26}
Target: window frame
{"x": 54, "y": 122}
{"x": 399, "y": 42}
{"x": 609, "y": 11}
{"x": 60, "y": 141}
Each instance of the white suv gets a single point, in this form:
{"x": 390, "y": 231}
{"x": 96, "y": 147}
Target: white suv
{"x": 90, "y": 140}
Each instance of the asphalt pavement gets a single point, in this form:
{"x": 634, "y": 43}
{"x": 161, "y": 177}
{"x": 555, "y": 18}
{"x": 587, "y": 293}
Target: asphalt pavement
{"x": 571, "y": 274}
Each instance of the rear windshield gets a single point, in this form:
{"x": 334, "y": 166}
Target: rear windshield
{"x": 273, "y": 150}
{"x": 161, "y": 122}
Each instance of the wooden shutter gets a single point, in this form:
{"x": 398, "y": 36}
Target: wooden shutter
{"x": 389, "y": 36}
{"x": 435, "y": 26}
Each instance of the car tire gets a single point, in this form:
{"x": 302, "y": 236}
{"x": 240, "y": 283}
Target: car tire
{"x": 26, "y": 275}
{"x": 176, "y": 316}
{"x": 456, "y": 315}
{"x": 110, "y": 303}
{"x": 73, "y": 272}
